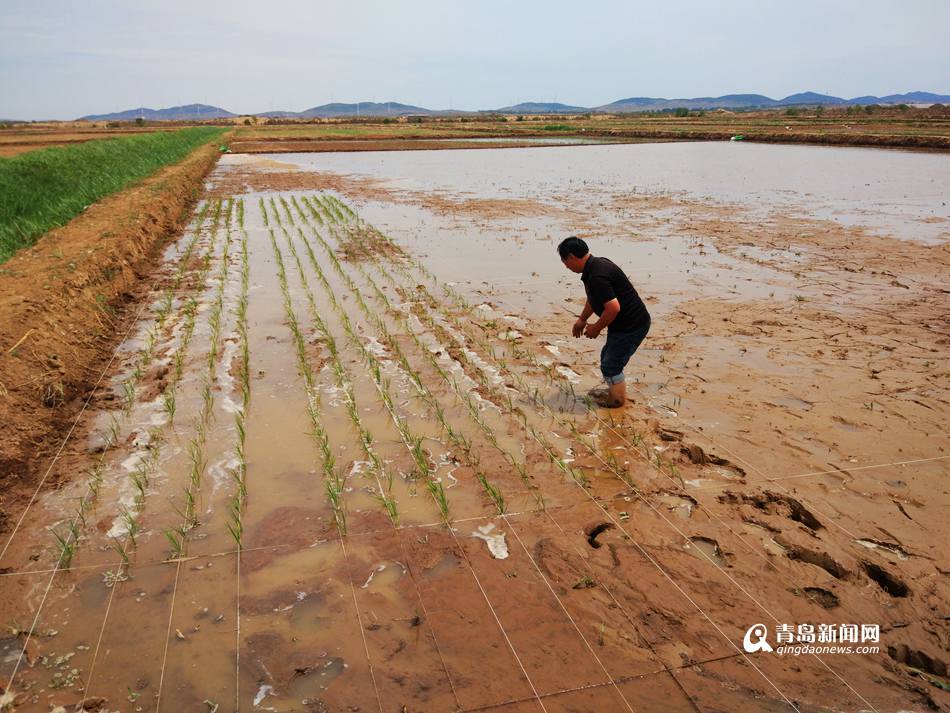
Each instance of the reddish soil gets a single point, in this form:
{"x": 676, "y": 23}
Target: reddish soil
{"x": 63, "y": 309}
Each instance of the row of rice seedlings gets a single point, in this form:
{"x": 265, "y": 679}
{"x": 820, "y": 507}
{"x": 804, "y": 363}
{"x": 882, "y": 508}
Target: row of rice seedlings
{"x": 476, "y": 372}
{"x": 465, "y": 395}
{"x": 377, "y": 468}
{"x": 525, "y": 389}
{"x": 190, "y": 311}
{"x": 177, "y": 537}
{"x": 130, "y": 384}
{"x": 412, "y": 442}
{"x": 67, "y": 542}
{"x": 332, "y": 477}
{"x": 454, "y": 435}
{"x": 531, "y": 392}
{"x": 236, "y": 508}
{"x": 168, "y": 296}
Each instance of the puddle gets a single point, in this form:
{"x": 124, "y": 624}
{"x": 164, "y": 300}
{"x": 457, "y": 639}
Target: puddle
{"x": 677, "y": 504}
{"x": 705, "y": 549}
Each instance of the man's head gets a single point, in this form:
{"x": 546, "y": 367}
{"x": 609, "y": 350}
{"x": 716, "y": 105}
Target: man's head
{"x": 574, "y": 253}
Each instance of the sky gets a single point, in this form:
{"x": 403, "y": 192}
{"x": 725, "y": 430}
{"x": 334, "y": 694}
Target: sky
{"x": 61, "y": 60}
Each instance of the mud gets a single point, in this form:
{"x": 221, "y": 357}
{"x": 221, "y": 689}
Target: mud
{"x": 65, "y": 305}
{"x": 400, "y": 504}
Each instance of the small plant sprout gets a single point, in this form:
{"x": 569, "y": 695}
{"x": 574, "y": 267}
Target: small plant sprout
{"x": 176, "y": 539}
{"x": 119, "y": 547}
{"x": 128, "y": 394}
{"x": 168, "y": 401}
{"x": 113, "y": 433}
{"x": 66, "y": 545}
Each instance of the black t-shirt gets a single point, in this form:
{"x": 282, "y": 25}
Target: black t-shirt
{"x": 604, "y": 281}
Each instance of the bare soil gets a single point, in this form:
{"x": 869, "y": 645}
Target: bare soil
{"x": 66, "y": 303}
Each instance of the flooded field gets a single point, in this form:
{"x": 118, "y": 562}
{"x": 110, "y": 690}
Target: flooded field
{"x": 344, "y": 461}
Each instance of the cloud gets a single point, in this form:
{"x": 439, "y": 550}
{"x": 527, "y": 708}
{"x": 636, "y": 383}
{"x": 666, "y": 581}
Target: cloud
{"x": 62, "y": 59}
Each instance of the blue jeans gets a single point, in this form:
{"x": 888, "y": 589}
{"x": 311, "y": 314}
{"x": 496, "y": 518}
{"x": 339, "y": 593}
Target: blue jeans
{"x": 617, "y": 351}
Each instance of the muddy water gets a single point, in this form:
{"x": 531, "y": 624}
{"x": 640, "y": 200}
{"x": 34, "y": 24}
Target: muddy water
{"x": 900, "y": 192}
{"x": 630, "y": 548}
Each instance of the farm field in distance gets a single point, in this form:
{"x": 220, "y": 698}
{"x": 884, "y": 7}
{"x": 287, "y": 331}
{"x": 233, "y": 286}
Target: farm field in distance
{"x": 343, "y": 460}
{"x": 883, "y": 126}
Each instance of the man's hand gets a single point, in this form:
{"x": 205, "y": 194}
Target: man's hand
{"x": 591, "y": 331}
{"x": 579, "y": 327}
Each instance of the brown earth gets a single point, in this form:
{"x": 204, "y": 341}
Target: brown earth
{"x": 17, "y": 141}
{"x": 65, "y": 305}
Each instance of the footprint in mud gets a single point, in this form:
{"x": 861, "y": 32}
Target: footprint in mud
{"x": 885, "y": 580}
{"x": 775, "y": 504}
{"x": 706, "y": 549}
{"x": 917, "y": 659}
{"x": 822, "y": 597}
{"x": 681, "y": 505}
{"x": 694, "y": 453}
{"x": 813, "y": 557}
{"x": 698, "y": 456}
{"x": 594, "y": 531}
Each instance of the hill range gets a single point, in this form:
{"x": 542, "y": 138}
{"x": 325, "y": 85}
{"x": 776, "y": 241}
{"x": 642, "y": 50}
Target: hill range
{"x": 195, "y": 112}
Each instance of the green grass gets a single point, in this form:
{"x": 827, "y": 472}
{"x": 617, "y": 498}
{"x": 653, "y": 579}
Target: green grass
{"x": 43, "y": 189}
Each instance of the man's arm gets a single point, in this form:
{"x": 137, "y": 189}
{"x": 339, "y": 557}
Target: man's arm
{"x": 611, "y": 310}
{"x": 582, "y": 320}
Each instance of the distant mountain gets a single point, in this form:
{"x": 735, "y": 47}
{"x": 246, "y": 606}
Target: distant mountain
{"x": 760, "y": 101}
{"x": 810, "y": 98}
{"x": 540, "y": 108}
{"x": 728, "y": 101}
{"x": 867, "y": 99}
{"x": 189, "y": 112}
{"x": 194, "y": 112}
{"x": 915, "y": 98}
{"x": 362, "y": 109}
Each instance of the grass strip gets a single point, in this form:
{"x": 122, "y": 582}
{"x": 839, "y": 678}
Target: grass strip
{"x": 40, "y": 190}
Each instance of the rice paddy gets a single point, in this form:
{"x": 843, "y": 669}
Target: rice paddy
{"x": 323, "y": 478}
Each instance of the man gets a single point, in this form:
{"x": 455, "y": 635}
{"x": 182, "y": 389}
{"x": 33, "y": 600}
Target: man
{"x": 621, "y": 311}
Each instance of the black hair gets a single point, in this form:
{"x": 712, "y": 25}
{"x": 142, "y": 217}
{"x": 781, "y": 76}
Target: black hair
{"x": 572, "y": 246}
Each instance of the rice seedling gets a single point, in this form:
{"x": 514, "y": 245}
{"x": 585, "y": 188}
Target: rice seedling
{"x": 176, "y": 539}
{"x": 140, "y": 482}
{"x": 119, "y": 547}
{"x": 234, "y": 524}
{"x": 67, "y": 547}
{"x": 131, "y": 525}
{"x": 128, "y": 394}
{"x": 114, "y": 429}
{"x": 168, "y": 401}
{"x": 196, "y": 460}
{"x": 438, "y": 493}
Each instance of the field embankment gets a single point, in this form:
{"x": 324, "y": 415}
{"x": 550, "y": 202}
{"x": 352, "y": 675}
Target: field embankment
{"x": 914, "y": 128}
{"x": 61, "y": 300}
{"x": 47, "y": 188}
